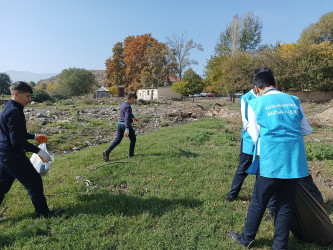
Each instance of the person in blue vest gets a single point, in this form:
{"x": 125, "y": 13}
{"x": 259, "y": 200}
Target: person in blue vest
{"x": 125, "y": 128}
{"x": 14, "y": 164}
{"x": 277, "y": 125}
{"x": 246, "y": 155}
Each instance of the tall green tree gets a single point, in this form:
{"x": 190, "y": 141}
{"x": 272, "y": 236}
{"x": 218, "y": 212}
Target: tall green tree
{"x": 181, "y": 49}
{"x": 300, "y": 67}
{"x": 5, "y": 82}
{"x": 318, "y": 32}
{"x": 227, "y": 74}
{"x": 191, "y": 84}
{"x": 241, "y": 35}
{"x": 75, "y": 81}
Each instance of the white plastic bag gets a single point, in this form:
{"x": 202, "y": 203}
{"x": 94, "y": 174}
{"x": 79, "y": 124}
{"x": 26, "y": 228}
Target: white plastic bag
{"x": 41, "y": 167}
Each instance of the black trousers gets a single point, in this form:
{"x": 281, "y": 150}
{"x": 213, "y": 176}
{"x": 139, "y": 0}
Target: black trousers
{"x": 264, "y": 189}
{"x": 18, "y": 166}
{"x": 240, "y": 175}
{"x": 120, "y": 135}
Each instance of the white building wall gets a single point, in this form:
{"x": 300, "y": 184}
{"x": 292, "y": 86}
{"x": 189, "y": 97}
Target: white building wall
{"x": 147, "y": 94}
{"x": 167, "y": 92}
{"x": 155, "y": 94}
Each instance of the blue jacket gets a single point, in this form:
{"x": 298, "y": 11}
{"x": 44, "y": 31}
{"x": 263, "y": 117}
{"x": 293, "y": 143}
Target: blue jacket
{"x": 281, "y": 145}
{"x": 13, "y": 132}
{"x": 125, "y": 114}
{"x": 248, "y": 146}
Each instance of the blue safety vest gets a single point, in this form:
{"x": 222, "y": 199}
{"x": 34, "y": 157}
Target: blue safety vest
{"x": 248, "y": 145}
{"x": 282, "y": 151}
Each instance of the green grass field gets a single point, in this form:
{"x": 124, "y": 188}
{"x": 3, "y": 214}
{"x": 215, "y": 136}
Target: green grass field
{"x": 168, "y": 197}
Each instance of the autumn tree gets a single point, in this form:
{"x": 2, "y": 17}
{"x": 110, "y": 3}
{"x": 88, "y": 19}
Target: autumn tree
{"x": 140, "y": 61}
{"x": 299, "y": 66}
{"x": 41, "y": 86}
{"x": 241, "y": 35}
{"x": 318, "y": 32}
{"x": 51, "y": 87}
{"x": 5, "y": 82}
{"x": 134, "y": 58}
{"x": 113, "y": 90}
{"x": 115, "y": 66}
{"x": 161, "y": 64}
{"x": 181, "y": 49}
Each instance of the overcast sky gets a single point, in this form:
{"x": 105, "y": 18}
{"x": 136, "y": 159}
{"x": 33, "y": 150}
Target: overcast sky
{"x": 46, "y": 36}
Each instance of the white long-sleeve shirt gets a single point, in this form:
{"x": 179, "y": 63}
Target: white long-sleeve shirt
{"x": 243, "y": 110}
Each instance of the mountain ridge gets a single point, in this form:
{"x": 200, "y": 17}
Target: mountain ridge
{"x": 27, "y": 76}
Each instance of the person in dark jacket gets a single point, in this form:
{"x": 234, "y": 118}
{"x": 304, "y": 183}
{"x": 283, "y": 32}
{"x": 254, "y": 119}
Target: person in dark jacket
{"x": 125, "y": 128}
{"x": 14, "y": 164}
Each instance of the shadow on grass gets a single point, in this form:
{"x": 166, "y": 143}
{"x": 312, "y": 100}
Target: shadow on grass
{"x": 293, "y": 243}
{"x": 263, "y": 242}
{"x": 8, "y": 240}
{"x": 329, "y": 207}
{"x": 106, "y": 203}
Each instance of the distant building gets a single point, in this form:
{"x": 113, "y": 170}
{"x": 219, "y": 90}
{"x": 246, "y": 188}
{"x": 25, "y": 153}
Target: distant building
{"x": 170, "y": 80}
{"x": 121, "y": 91}
{"x": 156, "y": 94}
{"x": 102, "y": 92}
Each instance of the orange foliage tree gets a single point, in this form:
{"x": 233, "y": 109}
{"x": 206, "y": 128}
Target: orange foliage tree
{"x": 115, "y": 67}
{"x": 139, "y": 61}
{"x": 134, "y": 55}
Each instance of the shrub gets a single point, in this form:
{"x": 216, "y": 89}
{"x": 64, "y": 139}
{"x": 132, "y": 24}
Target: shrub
{"x": 58, "y": 98}
{"x": 318, "y": 151}
{"x": 47, "y": 103}
{"x": 40, "y": 96}
{"x": 113, "y": 90}
{"x": 164, "y": 124}
{"x": 142, "y": 102}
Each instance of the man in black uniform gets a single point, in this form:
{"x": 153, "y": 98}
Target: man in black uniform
{"x": 14, "y": 164}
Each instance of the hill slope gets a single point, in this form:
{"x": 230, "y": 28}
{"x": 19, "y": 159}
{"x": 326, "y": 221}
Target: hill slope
{"x": 99, "y": 74}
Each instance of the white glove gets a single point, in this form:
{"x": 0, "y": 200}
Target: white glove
{"x": 44, "y": 156}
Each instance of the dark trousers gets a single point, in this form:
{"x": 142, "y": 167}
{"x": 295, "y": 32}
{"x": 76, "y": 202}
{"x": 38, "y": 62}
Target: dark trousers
{"x": 264, "y": 188}
{"x": 120, "y": 135}
{"x": 240, "y": 175}
{"x": 18, "y": 166}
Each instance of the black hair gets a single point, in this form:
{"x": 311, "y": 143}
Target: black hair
{"x": 21, "y": 87}
{"x": 263, "y": 77}
{"x": 131, "y": 95}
